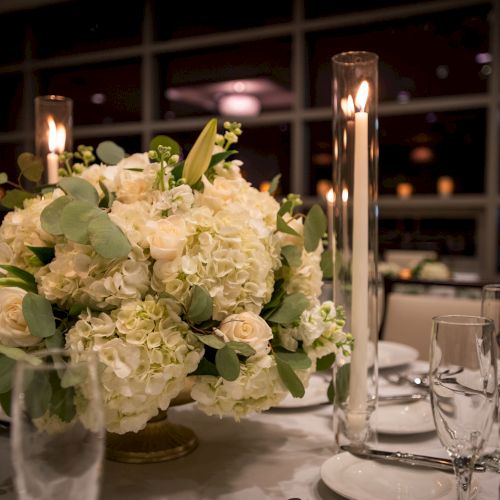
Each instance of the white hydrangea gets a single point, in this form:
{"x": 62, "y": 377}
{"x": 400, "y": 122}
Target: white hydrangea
{"x": 146, "y": 351}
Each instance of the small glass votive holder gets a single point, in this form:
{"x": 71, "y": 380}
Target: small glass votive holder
{"x": 53, "y": 132}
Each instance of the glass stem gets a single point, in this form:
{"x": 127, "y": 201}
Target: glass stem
{"x": 463, "y": 473}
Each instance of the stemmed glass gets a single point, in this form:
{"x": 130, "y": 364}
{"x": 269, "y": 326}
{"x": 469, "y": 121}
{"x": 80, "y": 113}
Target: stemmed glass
{"x": 57, "y": 427}
{"x": 463, "y": 385}
{"x": 490, "y": 308}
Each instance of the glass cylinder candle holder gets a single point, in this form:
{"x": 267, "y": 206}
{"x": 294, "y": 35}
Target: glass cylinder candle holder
{"x": 355, "y": 172}
{"x": 53, "y": 132}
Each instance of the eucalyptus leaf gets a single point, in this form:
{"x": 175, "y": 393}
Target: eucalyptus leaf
{"x": 75, "y": 219}
{"x": 290, "y": 309}
{"x": 76, "y": 309}
{"x": 201, "y": 305}
{"x": 31, "y": 166}
{"x": 282, "y": 226}
{"x": 199, "y": 157}
{"x": 108, "y": 198}
{"x": 3, "y": 177}
{"x": 290, "y": 379}
{"x": 51, "y": 215}
{"x": 37, "y": 395}
{"x": 62, "y": 402}
{"x": 19, "y": 283}
{"x": 286, "y": 207}
{"x": 218, "y": 157}
{"x": 5, "y": 402}
{"x": 109, "y": 152}
{"x": 227, "y": 363}
{"x": 15, "y": 198}
{"x": 314, "y": 227}
{"x": 177, "y": 171}
{"x": 206, "y": 367}
{"x": 45, "y": 254}
{"x": 165, "y": 140}
{"x": 79, "y": 189}
{"x": 275, "y": 182}
{"x": 37, "y": 312}
{"x": 241, "y": 348}
{"x": 327, "y": 264}
{"x": 107, "y": 239}
{"x": 211, "y": 340}
{"x": 56, "y": 341}
{"x": 19, "y": 273}
{"x": 341, "y": 386}
{"x": 19, "y": 355}
{"x": 326, "y": 362}
{"x": 6, "y": 372}
{"x": 297, "y": 360}
{"x": 74, "y": 375}
{"x": 292, "y": 255}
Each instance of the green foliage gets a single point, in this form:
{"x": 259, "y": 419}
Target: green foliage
{"x": 110, "y": 153}
{"x": 314, "y": 228}
{"x": 290, "y": 309}
{"x": 108, "y": 197}
{"x": 5, "y": 402}
{"x": 206, "y": 367}
{"x": 282, "y": 226}
{"x": 211, "y": 340}
{"x": 166, "y": 141}
{"x": 241, "y": 348}
{"x": 201, "y": 306}
{"x": 75, "y": 220}
{"x": 200, "y": 155}
{"x": 3, "y": 178}
{"x": 15, "y": 198}
{"x": 327, "y": 264}
{"x": 227, "y": 363}
{"x": 6, "y": 372}
{"x": 23, "y": 275}
{"x": 290, "y": 378}
{"x": 275, "y": 182}
{"x": 296, "y": 360}
{"x": 56, "y": 341}
{"x": 286, "y": 207}
{"x": 44, "y": 254}
{"x": 292, "y": 255}
{"x": 326, "y": 362}
{"x": 37, "y": 312}
{"x": 31, "y": 166}
{"x": 37, "y": 395}
{"x": 51, "y": 214}
{"x": 341, "y": 387}
{"x": 62, "y": 401}
{"x": 17, "y": 282}
{"x": 79, "y": 189}
{"x": 330, "y": 393}
{"x": 107, "y": 238}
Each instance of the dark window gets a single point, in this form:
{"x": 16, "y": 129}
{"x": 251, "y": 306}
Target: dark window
{"x": 130, "y": 143}
{"x": 11, "y": 103}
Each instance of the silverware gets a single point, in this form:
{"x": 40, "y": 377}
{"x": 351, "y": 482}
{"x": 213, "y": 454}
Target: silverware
{"x": 444, "y": 464}
{"x": 402, "y": 398}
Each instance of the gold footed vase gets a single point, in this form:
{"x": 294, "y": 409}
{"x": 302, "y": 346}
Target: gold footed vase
{"x": 159, "y": 441}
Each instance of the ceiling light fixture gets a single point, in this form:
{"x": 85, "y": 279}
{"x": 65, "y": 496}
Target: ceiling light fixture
{"x": 239, "y": 105}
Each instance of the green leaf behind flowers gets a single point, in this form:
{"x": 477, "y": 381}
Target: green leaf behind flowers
{"x": 107, "y": 238}
{"x": 37, "y": 312}
{"x": 79, "y": 189}
{"x": 62, "y": 402}
{"x": 45, "y": 254}
{"x": 290, "y": 309}
{"x": 165, "y": 140}
{"x": 327, "y": 264}
{"x": 201, "y": 306}
{"x": 6, "y": 372}
{"x": 108, "y": 198}
{"x": 290, "y": 378}
{"x": 110, "y": 153}
{"x": 314, "y": 227}
{"x": 206, "y": 367}
{"x": 75, "y": 220}
{"x": 15, "y": 198}
{"x": 210, "y": 340}
{"x": 51, "y": 215}
{"x": 5, "y": 402}
{"x": 297, "y": 360}
{"x": 227, "y": 363}
{"x": 23, "y": 275}
{"x": 241, "y": 348}
{"x": 3, "y": 178}
{"x": 31, "y": 166}
{"x": 282, "y": 226}
{"x": 326, "y": 362}
{"x": 292, "y": 255}
{"x": 275, "y": 182}
{"x": 286, "y": 207}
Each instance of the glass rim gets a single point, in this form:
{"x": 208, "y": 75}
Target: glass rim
{"x": 54, "y": 365}
{"x": 53, "y": 98}
{"x": 462, "y": 319}
{"x": 491, "y": 287}
{"x": 349, "y": 58}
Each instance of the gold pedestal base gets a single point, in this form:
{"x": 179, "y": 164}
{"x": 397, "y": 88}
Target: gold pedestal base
{"x": 159, "y": 441}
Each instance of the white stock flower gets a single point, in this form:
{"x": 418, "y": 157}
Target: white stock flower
{"x": 14, "y": 331}
{"x": 249, "y": 328}
{"x": 176, "y": 200}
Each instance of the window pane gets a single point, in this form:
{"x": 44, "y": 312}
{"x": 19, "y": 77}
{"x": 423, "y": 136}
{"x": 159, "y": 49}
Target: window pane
{"x": 419, "y": 149}
{"x": 8, "y": 158}
{"x": 130, "y": 143}
{"x": 192, "y": 83}
{"x": 102, "y": 93}
{"x": 432, "y": 55}
{"x": 87, "y": 25}
{"x": 11, "y": 103}
{"x": 445, "y": 236}
{"x": 12, "y": 35}
{"x": 174, "y": 20}
{"x": 264, "y": 151}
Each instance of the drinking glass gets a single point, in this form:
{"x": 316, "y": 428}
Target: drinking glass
{"x": 490, "y": 308}
{"x": 463, "y": 385}
{"x": 57, "y": 427}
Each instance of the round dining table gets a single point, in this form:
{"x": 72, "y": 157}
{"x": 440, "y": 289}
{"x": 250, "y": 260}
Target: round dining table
{"x": 276, "y": 454}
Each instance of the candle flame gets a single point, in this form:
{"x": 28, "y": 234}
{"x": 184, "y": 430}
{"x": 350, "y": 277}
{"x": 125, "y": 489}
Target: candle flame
{"x": 345, "y": 195}
{"x": 57, "y": 136}
{"x": 350, "y": 106}
{"x": 330, "y": 196}
{"x": 362, "y": 95}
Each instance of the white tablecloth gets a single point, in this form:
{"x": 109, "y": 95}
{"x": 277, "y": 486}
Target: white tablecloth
{"x": 273, "y": 455}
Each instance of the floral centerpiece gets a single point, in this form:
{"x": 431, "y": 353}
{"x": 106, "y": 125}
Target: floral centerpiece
{"x": 167, "y": 269}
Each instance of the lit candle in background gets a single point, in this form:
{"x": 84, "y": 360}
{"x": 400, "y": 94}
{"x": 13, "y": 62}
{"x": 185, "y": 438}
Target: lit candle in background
{"x": 56, "y": 141}
{"x": 359, "y": 323}
{"x": 330, "y": 202}
{"x": 445, "y": 186}
{"x": 404, "y": 189}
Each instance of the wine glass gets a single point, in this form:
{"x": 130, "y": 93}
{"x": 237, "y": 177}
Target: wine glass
{"x": 490, "y": 308}
{"x": 57, "y": 427}
{"x": 463, "y": 385}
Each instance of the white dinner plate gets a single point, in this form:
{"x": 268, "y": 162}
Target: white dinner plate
{"x": 360, "y": 479}
{"x": 392, "y": 354}
{"x": 411, "y": 418}
{"x": 316, "y": 394}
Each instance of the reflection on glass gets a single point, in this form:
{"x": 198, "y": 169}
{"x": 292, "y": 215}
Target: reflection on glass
{"x": 444, "y": 44}
{"x": 102, "y": 93}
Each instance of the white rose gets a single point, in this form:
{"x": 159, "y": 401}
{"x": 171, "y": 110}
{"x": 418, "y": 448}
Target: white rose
{"x": 14, "y": 331}
{"x": 167, "y": 238}
{"x": 250, "y": 328}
